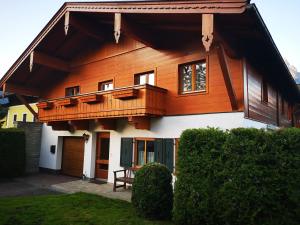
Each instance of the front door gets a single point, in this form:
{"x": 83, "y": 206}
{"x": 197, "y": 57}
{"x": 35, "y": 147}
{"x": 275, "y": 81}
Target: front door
{"x": 102, "y": 155}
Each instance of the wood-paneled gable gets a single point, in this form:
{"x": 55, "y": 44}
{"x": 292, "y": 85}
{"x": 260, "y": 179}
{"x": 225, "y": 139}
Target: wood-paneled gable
{"x": 121, "y": 61}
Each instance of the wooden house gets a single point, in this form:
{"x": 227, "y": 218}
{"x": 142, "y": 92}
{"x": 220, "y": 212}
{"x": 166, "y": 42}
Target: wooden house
{"x": 118, "y": 82}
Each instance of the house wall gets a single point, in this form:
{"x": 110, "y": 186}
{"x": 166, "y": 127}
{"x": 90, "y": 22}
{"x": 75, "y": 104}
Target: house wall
{"x": 270, "y": 112}
{"x": 120, "y": 62}
{"x": 19, "y": 110}
{"x": 165, "y": 127}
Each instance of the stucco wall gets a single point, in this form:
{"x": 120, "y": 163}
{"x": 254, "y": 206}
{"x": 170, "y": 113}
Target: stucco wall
{"x": 19, "y": 110}
{"x": 165, "y": 127}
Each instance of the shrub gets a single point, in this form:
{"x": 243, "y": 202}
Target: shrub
{"x": 12, "y": 152}
{"x": 152, "y": 192}
{"x": 198, "y": 169}
{"x": 247, "y": 176}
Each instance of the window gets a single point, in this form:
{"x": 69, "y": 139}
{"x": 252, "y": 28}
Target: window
{"x": 24, "y": 117}
{"x": 144, "y": 151}
{"x": 106, "y": 85}
{"x": 72, "y": 91}
{"x": 15, "y": 117}
{"x": 264, "y": 91}
{"x": 192, "y": 77}
{"x": 144, "y": 78}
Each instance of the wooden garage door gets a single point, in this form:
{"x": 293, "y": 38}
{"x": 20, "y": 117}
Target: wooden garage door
{"x": 72, "y": 162}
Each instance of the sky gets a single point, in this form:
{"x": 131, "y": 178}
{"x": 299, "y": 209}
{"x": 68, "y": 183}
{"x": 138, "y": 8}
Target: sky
{"x": 22, "y": 20}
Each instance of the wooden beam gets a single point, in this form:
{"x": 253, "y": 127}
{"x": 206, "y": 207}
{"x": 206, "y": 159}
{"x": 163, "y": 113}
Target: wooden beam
{"x": 21, "y": 89}
{"x": 88, "y": 27}
{"x": 48, "y": 61}
{"x": 207, "y": 30}
{"x": 227, "y": 77}
{"x": 142, "y": 123}
{"x": 106, "y": 124}
{"x": 79, "y": 124}
{"x": 59, "y": 125}
{"x": 139, "y": 33}
{"x": 24, "y": 102}
{"x": 3, "y": 90}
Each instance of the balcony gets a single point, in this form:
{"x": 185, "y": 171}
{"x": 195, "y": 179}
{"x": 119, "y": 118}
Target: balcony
{"x": 135, "y": 101}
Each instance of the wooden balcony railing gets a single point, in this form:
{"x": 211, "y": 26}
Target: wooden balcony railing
{"x": 142, "y": 100}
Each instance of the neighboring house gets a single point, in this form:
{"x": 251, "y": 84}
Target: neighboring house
{"x": 19, "y": 113}
{"x": 109, "y": 105}
{"x": 16, "y": 111}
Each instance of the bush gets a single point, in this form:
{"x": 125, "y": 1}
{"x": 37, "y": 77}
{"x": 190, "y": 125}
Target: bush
{"x": 152, "y": 192}
{"x": 245, "y": 176}
{"x": 12, "y": 152}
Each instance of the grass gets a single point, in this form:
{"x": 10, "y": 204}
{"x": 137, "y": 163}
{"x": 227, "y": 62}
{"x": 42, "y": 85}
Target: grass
{"x": 74, "y": 209}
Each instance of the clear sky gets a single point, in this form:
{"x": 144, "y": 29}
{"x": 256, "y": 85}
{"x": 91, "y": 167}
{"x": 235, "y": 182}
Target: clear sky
{"x": 22, "y": 20}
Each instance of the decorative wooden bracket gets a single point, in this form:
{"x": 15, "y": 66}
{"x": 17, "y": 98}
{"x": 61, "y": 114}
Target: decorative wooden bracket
{"x": 227, "y": 77}
{"x": 48, "y": 61}
{"x": 31, "y": 61}
{"x": 117, "y": 27}
{"x": 207, "y": 30}
{"x": 23, "y": 100}
{"x": 67, "y": 22}
{"x": 142, "y": 123}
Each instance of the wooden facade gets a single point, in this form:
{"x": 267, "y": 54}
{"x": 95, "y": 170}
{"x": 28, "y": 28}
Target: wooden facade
{"x": 88, "y": 44}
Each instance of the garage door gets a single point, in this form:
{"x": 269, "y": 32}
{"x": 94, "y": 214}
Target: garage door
{"x": 72, "y": 162}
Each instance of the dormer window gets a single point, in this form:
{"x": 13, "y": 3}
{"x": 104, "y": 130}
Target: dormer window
{"x": 192, "y": 77}
{"x": 72, "y": 91}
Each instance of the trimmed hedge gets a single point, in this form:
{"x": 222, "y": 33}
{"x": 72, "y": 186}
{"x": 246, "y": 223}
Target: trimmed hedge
{"x": 243, "y": 176}
{"x": 12, "y": 152}
{"x": 152, "y": 192}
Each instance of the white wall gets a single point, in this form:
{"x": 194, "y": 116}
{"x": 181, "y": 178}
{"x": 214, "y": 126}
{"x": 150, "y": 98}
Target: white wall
{"x": 165, "y": 127}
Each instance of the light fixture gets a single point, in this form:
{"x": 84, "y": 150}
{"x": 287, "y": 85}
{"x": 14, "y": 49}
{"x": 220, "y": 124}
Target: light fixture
{"x": 86, "y": 137}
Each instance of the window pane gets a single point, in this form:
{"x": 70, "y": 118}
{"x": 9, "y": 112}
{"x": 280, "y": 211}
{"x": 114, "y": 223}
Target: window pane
{"x": 150, "y": 151}
{"x": 71, "y": 91}
{"x": 24, "y": 117}
{"x": 186, "y": 78}
{"x": 140, "y": 152}
{"x": 200, "y": 77}
{"x": 106, "y": 86}
{"x": 143, "y": 79}
{"x": 151, "y": 78}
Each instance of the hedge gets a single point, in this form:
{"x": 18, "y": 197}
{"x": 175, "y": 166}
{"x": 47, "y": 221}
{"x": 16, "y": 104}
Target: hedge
{"x": 12, "y": 152}
{"x": 243, "y": 176}
{"x": 152, "y": 192}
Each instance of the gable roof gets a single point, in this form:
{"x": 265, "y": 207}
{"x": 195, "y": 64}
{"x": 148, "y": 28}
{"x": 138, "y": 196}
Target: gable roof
{"x": 238, "y": 18}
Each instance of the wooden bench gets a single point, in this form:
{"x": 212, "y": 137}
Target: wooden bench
{"x": 125, "y": 179}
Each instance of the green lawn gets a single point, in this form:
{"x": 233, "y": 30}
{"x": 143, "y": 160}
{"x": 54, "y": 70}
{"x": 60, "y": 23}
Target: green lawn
{"x": 80, "y": 208}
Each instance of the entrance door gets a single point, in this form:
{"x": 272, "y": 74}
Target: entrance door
{"x": 102, "y": 155}
{"x": 72, "y": 158}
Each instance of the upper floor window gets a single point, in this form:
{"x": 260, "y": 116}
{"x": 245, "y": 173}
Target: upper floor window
{"x": 144, "y": 78}
{"x": 72, "y": 91}
{"x": 24, "y": 117}
{"x": 106, "y": 85}
{"x": 192, "y": 77}
{"x": 264, "y": 91}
